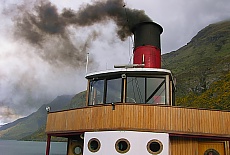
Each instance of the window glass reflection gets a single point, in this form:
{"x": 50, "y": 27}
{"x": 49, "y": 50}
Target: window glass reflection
{"x": 155, "y": 90}
{"x": 96, "y": 92}
{"x": 135, "y": 90}
{"x": 114, "y": 89}
{"x": 145, "y": 90}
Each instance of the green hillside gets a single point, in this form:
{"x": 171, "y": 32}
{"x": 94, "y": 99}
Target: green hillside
{"x": 202, "y": 61}
{"x": 28, "y": 125}
{"x": 23, "y": 128}
{"x": 216, "y": 97}
{"x": 77, "y": 101}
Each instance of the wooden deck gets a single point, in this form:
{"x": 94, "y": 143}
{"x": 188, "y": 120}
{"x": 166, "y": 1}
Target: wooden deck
{"x": 141, "y": 117}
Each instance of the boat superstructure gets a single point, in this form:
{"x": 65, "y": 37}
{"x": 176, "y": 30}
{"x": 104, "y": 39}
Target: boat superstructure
{"x": 131, "y": 110}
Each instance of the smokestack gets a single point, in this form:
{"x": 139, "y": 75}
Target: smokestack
{"x": 147, "y": 46}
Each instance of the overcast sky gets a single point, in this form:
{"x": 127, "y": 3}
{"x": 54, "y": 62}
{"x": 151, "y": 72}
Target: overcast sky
{"x": 27, "y": 80}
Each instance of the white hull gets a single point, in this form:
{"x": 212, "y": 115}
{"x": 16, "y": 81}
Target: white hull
{"x": 138, "y": 142}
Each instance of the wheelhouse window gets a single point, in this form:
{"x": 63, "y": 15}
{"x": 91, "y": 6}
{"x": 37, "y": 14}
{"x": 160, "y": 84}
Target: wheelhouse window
{"x": 135, "y": 90}
{"x": 146, "y": 90}
{"x": 114, "y": 89}
{"x": 155, "y": 90}
{"x": 96, "y": 92}
{"x": 105, "y": 91}
{"x": 129, "y": 88}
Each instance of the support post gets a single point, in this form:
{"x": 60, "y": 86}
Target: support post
{"x": 48, "y": 144}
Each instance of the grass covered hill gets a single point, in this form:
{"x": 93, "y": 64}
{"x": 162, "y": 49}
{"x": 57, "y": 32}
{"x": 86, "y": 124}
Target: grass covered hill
{"x": 216, "y": 97}
{"x": 28, "y": 125}
{"x": 202, "y": 61}
{"x": 75, "y": 102}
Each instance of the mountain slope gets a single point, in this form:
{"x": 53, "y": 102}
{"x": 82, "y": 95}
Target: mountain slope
{"x": 77, "y": 101}
{"x": 28, "y": 125}
{"x": 216, "y": 97}
{"x": 202, "y": 61}
{"x": 9, "y": 125}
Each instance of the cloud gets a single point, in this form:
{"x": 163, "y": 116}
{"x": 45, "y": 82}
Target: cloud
{"x": 7, "y": 115}
{"x": 27, "y": 81}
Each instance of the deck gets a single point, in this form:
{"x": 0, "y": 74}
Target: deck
{"x": 141, "y": 117}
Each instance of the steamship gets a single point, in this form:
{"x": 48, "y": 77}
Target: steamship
{"x": 131, "y": 110}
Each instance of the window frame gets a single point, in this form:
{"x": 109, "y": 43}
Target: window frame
{"x": 145, "y": 77}
{"x": 124, "y": 88}
{"x": 105, "y": 89}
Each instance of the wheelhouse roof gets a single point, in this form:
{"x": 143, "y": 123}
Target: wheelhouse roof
{"x": 133, "y": 71}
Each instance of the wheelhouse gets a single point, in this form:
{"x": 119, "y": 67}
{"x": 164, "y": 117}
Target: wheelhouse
{"x": 131, "y": 85}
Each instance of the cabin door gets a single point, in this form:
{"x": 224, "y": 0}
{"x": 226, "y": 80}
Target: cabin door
{"x": 211, "y": 148}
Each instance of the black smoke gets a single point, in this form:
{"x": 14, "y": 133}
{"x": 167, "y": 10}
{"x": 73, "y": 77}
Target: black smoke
{"x": 102, "y": 11}
{"x": 43, "y": 23}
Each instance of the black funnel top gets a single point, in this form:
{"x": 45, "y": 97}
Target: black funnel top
{"x": 147, "y": 33}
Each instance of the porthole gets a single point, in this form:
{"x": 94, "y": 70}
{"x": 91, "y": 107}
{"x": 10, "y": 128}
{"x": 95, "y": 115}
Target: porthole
{"x": 154, "y": 146}
{"x": 94, "y": 145}
{"x": 211, "y": 152}
{"x": 122, "y": 145}
{"x": 77, "y": 150}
